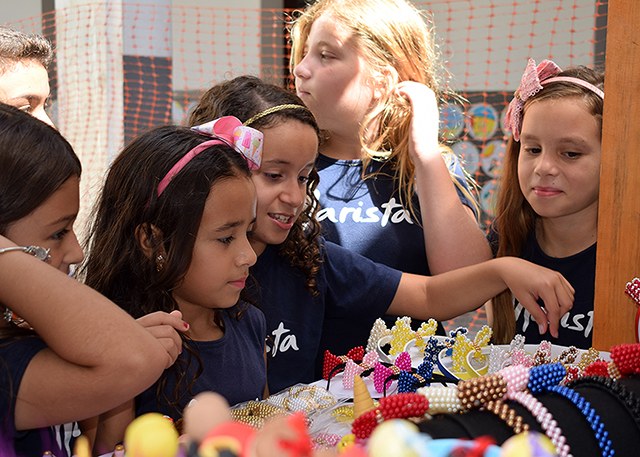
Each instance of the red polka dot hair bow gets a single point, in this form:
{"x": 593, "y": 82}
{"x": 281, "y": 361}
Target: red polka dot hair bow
{"x": 332, "y": 363}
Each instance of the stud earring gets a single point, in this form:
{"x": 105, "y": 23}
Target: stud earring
{"x": 160, "y": 260}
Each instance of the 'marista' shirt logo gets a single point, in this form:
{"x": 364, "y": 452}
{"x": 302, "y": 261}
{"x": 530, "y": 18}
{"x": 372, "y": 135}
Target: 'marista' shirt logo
{"x": 393, "y": 212}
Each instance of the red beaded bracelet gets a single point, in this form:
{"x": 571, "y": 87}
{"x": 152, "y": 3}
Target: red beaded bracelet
{"x": 627, "y": 358}
{"x": 399, "y": 406}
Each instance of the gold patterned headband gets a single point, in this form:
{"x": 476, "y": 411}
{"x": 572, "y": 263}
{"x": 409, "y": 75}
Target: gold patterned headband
{"x": 274, "y": 109}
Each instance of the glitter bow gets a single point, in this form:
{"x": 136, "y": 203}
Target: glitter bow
{"x": 529, "y": 86}
{"x": 333, "y": 362}
{"x": 247, "y": 140}
{"x": 225, "y": 130}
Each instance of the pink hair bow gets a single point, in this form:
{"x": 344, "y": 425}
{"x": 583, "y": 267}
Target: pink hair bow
{"x": 529, "y": 86}
{"x": 225, "y": 130}
{"x": 352, "y": 368}
{"x": 381, "y": 373}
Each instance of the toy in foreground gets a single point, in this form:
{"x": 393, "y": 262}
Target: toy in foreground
{"x": 210, "y": 432}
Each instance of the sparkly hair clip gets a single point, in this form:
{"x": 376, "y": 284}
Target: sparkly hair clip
{"x": 633, "y": 290}
{"x": 332, "y": 363}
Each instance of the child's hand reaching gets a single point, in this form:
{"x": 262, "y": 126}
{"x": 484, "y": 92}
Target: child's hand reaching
{"x": 423, "y": 141}
{"x": 529, "y": 282}
{"x": 165, "y": 327}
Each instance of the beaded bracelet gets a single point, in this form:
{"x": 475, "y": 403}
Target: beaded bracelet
{"x": 399, "y": 406}
{"x": 630, "y": 400}
{"x": 487, "y": 393}
{"x": 627, "y": 358}
{"x": 255, "y": 413}
{"x": 441, "y": 399}
{"x": 308, "y": 399}
{"x": 545, "y": 378}
{"x": 39, "y": 253}
{"x": 517, "y": 378}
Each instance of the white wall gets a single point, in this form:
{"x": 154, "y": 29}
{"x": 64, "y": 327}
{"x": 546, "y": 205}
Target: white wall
{"x": 12, "y": 12}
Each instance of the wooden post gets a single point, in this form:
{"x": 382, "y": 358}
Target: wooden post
{"x": 618, "y": 258}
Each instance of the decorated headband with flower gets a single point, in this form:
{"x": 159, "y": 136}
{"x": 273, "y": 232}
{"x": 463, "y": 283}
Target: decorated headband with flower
{"x": 533, "y": 79}
{"x": 225, "y": 130}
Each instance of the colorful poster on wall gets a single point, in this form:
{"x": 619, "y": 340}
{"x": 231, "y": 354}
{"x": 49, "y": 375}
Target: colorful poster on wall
{"x": 482, "y": 121}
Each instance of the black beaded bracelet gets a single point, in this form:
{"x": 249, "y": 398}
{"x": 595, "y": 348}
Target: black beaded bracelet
{"x": 630, "y": 400}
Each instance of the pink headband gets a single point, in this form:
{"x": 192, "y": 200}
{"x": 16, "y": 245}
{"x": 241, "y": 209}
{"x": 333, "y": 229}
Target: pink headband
{"x": 226, "y": 130}
{"x": 532, "y": 81}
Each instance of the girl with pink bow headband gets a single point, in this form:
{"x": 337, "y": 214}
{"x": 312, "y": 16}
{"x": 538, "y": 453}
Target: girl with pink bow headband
{"x": 170, "y": 233}
{"x": 547, "y": 202}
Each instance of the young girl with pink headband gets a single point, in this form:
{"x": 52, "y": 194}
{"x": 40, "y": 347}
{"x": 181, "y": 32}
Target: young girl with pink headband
{"x": 170, "y": 233}
{"x": 547, "y": 205}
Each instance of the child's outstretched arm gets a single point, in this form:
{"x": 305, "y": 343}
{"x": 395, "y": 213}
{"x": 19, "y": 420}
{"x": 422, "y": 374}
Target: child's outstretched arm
{"x": 451, "y": 294}
{"x": 97, "y": 357}
{"x": 453, "y": 238}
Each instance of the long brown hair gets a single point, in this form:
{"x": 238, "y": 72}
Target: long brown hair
{"x": 244, "y": 97}
{"x": 116, "y": 265}
{"x": 515, "y": 220}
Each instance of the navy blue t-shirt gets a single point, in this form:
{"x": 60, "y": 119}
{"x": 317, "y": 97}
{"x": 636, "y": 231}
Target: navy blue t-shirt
{"x": 352, "y": 289}
{"x": 576, "y": 327}
{"x": 366, "y": 217}
{"x": 15, "y": 356}
{"x": 233, "y": 367}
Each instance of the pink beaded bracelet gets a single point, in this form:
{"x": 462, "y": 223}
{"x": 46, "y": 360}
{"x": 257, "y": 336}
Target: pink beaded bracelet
{"x": 517, "y": 378}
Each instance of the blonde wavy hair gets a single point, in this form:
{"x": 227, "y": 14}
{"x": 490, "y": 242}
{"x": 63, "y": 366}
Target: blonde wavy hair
{"x": 397, "y": 40}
